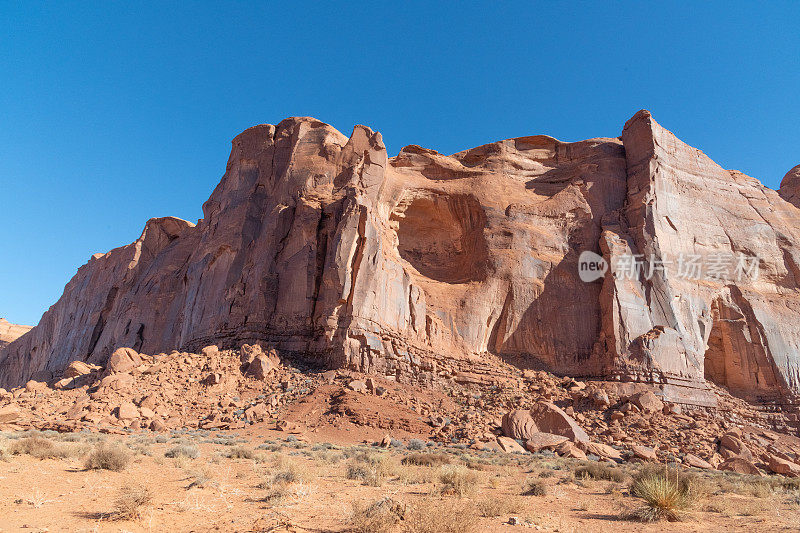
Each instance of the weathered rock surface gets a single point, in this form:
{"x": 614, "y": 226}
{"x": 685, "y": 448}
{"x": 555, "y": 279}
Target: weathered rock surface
{"x": 740, "y": 466}
{"x": 549, "y": 418}
{"x": 10, "y": 332}
{"x": 539, "y": 440}
{"x": 692, "y": 460}
{"x": 123, "y": 360}
{"x": 519, "y": 424}
{"x": 425, "y": 267}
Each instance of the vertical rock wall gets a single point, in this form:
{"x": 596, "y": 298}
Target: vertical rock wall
{"x": 425, "y": 267}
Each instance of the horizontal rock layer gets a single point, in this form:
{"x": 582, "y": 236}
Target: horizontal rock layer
{"x": 425, "y": 267}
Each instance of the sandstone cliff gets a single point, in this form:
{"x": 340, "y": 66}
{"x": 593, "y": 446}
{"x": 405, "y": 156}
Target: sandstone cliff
{"x": 425, "y": 267}
{"x": 10, "y": 332}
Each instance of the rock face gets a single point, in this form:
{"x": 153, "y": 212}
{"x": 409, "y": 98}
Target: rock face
{"x": 426, "y": 267}
{"x": 10, "y": 332}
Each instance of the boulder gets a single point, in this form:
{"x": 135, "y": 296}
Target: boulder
{"x": 210, "y": 351}
{"x": 539, "y": 441}
{"x": 248, "y": 352}
{"x": 285, "y": 425}
{"x": 357, "y": 385}
{"x": 509, "y": 445}
{"x": 645, "y": 453}
{"x": 64, "y": 384}
{"x": 260, "y": 367}
{"x": 740, "y": 466}
{"x": 79, "y": 368}
{"x": 784, "y": 467}
{"x": 10, "y": 413}
{"x": 569, "y": 449}
{"x": 734, "y": 446}
{"x": 600, "y": 399}
{"x": 149, "y": 402}
{"x": 601, "y": 450}
{"x": 123, "y": 360}
{"x": 34, "y": 386}
{"x": 214, "y": 378}
{"x": 549, "y": 418}
{"x": 696, "y": 462}
{"x": 127, "y": 411}
{"x": 647, "y": 402}
{"x": 519, "y": 424}
{"x": 256, "y": 413}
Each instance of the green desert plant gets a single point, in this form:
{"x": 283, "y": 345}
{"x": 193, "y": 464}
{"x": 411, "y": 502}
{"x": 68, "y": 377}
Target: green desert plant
{"x": 666, "y": 492}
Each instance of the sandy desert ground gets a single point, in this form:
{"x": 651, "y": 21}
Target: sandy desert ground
{"x": 267, "y": 481}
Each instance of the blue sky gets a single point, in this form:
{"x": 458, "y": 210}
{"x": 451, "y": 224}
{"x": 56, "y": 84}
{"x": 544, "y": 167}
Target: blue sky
{"x": 113, "y": 115}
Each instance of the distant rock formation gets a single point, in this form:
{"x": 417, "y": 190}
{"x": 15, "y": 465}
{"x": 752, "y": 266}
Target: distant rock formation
{"x": 10, "y": 332}
{"x": 427, "y": 267}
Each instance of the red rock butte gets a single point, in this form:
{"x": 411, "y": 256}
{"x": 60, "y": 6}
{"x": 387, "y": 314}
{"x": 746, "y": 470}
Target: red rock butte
{"x": 425, "y": 267}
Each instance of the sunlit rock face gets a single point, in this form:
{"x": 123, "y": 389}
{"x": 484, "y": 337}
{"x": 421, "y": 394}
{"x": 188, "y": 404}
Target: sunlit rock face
{"x": 426, "y": 267}
{"x": 10, "y": 332}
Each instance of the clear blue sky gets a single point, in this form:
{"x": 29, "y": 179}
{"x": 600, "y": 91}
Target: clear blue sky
{"x": 110, "y": 116}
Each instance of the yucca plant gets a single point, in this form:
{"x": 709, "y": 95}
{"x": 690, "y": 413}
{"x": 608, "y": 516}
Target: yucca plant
{"x": 666, "y": 492}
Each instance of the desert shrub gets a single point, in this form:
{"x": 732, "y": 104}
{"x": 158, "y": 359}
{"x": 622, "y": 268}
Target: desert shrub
{"x": 666, "y": 493}
{"x": 534, "y": 487}
{"x": 381, "y": 516}
{"x": 240, "y": 452}
{"x": 416, "y": 445}
{"x": 357, "y": 471}
{"x": 200, "y": 479}
{"x": 426, "y": 459}
{"x": 190, "y": 451}
{"x": 130, "y": 501}
{"x": 288, "y": 471}
{"x": 328, "y": 456}
{"x": 458, "y": 480}
{"x": 105, "y": 457}
{"x": 431, "y": 516}
{"x": 34, "y": 446}
{"x": 601, "y": 471}
{"x": 372, "y": 469}
{"x": 492, "y": 506}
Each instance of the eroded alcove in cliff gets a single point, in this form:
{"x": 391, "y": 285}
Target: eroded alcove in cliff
{"x": 441, "y": 236}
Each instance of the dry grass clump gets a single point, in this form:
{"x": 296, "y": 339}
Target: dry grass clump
{"x": 381, "y": 516}
{"x": 240, "y": 452}
{"x": 289, "y": 471}
{"x": 201, "y": 479}
{"x": 433, "y": 516}
{"x": 601, "y": 471}
{"x": 372, "y": 469}
{"x": 43, "y": 448}
{"x": 458, "y": 480}
{"x": 286, "y": 472}
{"x": 426, "y": 459}
{"x": 276, "y": 494}
{"x": 105, "y": 457}
{"x": 494, "y": 506}
{"x": 666, "y": 492}
{"x": 534, "y": 487}
{"x": 131, "y": 501}
{"x": 189, "y": 451}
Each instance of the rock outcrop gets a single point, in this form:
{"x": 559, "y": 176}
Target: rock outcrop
{"x": 426, "y": 267}
{"x": 10, "y": 332}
